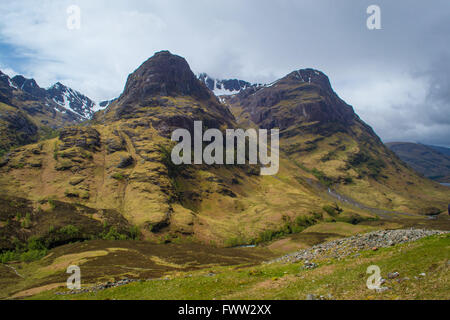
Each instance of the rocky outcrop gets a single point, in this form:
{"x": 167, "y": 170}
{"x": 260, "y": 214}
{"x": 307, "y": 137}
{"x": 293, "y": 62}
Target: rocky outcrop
{"x": 86, "y": 138}
{"x": 71, "y": 100}
{"x": 342, "y": 248}
{"x": 125, "y": 162}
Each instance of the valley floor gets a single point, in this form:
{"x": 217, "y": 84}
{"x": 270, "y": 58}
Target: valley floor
{"x": 423, "y": 268}
{"x": 333, "y": 270}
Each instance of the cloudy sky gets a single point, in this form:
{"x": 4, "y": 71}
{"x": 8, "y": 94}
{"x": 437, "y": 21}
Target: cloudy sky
{"x": 397, "y": 78}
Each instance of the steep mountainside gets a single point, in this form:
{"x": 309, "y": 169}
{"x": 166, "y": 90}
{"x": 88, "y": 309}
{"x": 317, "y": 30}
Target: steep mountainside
{"x": 424, "y": 159}
{"x": 323, "y": 136}
{"x": 120, "y": 162}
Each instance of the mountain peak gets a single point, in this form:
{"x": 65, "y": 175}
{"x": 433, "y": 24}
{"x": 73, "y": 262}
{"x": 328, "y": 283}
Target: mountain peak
{"x": 73, "y": 105}
{"x": 71, "y": 100}
{"x": 164, "y": 74}
{"x": 302, "y": 96}
{"x": 58, "y": 85}
{"x": 21, "y": 81}
{"x": 309, "y": 76}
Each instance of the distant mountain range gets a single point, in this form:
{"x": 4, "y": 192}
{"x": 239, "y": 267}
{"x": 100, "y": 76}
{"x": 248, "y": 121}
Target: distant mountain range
{"x": 70, "y": 100}
{"x": 431, "y": 161}
{"x": 28, "y": 112}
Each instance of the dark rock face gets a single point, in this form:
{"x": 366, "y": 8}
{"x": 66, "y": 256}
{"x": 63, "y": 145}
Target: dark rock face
{"x": 235, "y": 84}
{"x": 115, "y": 144}
{"x": 164, "y": 74}
{"x": 19, "y": 122}
{"x": 69, "y": 98}
{"x": 208, "y": 81}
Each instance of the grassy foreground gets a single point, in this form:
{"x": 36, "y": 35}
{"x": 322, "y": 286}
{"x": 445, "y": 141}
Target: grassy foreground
{"x": 342, "y": 279}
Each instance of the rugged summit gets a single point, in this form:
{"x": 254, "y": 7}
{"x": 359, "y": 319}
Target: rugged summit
{"x": 303, "y": 96}
{"x": 71, "y": 100}
{"x": 29, "y": 85}
{"x": 165, "y": 91}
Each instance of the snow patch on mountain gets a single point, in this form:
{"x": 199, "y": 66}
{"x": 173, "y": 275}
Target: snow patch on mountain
{"x": 72, "y": 100}
{"x": 103, "y": 104}
{"x": 11, "y": 84}
{"x": 58, "y": 97}
{"x": 225, "y": 87}
{"x": 220, "y": 91}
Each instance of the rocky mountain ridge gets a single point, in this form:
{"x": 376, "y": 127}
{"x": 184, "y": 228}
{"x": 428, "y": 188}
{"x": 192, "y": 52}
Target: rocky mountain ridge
{"x": 30, "y": 112}
{"x": 70, "y": 100}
